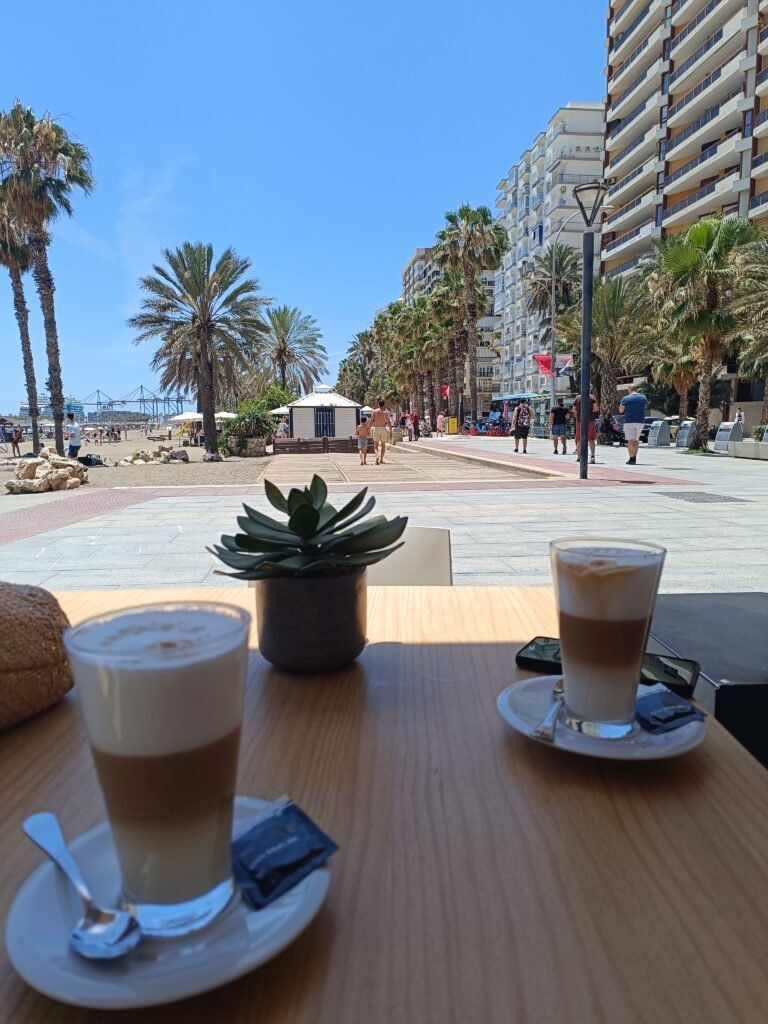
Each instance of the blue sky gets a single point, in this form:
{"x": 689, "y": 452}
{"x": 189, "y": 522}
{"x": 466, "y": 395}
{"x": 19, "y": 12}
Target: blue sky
{"x": 323, "y": 140}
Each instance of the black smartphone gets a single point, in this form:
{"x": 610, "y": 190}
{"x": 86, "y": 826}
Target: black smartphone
{"x": 679, "y": 675}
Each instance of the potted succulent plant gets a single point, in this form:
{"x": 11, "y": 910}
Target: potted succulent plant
{"x": 310, "y": 574}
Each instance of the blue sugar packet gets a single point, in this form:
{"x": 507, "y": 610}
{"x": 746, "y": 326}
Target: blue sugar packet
{"x": 660, "y": 710}
{"x": 283, "y": 847}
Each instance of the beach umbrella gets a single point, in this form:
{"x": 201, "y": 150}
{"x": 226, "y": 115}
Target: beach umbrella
{"x": 185, "y": 417}
{"x": 282, "y": 410}
{"x": 226, "y": 416}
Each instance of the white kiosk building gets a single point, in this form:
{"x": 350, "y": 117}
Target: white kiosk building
{"x": 323, "y": 413}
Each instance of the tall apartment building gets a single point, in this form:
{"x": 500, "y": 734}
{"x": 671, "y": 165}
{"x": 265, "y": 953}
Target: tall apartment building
{"x": 536, "y": 203}
{"x": 686, "y": 119}
{"x": 419, "y": 277}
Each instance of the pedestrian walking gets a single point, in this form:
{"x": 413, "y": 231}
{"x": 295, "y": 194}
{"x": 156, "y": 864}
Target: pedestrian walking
{"x": 633, "y": 408}
{"x": 380, "y": 421}
{"x": 363, "y": 435}
{"x": 521, "y": 422}
{"x": 594, "y": 409}
{"x": 73, "y": 431}
{"x": 440, "y": 424}
{"x": 740, "y": 415}
{"x": 416, "y": 424}
{"x": 558, "y": 425}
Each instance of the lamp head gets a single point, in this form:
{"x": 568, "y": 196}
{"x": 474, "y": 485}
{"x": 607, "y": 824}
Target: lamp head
{"x": 589, "y": 197}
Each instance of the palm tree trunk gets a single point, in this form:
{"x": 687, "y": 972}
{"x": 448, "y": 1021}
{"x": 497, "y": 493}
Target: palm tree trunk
{"x": 283, "y": 376}
{"x": 700, "y": 438}
{"x": 764, "y": 411}
{"x": 607, "y": 395}
{"x": 45, "y": 288}
{"x": 22, "y": 319}
{"x": 207, "y": 400}
{"x": 453, "y": 384}
{"x": 429, "y": 397}
{"x": 682, "y": 412}
{"x": 470, "y": 321}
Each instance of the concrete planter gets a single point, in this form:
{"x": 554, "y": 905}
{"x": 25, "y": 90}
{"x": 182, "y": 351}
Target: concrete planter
{"x": 312, "y": 625}
{"x": 748, "y": 450}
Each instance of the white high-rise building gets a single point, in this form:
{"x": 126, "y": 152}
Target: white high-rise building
{"x": 419, "y": 277}
{"x": 536, "y": 200}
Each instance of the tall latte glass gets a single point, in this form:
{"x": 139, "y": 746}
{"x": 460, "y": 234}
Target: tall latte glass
{"x": 161, "y": 689}
{"x": 605, "y": 591}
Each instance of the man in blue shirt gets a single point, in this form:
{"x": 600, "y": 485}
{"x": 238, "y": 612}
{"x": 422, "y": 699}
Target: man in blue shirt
{"x": 633, "y": 408}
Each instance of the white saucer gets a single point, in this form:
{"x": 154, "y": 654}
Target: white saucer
{"x": 523, "y": 705}
{"x": 159, "y": 971}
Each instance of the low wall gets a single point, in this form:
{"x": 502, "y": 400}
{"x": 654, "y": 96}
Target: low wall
{"x": 748, "y": 449}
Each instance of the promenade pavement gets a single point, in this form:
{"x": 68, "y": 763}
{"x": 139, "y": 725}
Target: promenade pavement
{"x": 708, "y": 511}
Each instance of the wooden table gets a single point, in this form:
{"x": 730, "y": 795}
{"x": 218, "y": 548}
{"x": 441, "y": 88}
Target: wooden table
{"x": 482, "y": 878}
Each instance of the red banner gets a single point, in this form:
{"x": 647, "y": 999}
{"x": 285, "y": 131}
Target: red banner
{"x": 544, "y": 364}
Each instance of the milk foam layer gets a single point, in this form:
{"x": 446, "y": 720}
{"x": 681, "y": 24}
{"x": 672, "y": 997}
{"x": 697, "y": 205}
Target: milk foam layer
{"x": 160, "y": 681}
{"x": 606, "y": 583}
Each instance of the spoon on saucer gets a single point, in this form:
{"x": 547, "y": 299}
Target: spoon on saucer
{"x": 545, "y": 730}
{"x": 100, "y": 934}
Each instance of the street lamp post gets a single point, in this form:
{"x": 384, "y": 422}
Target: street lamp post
{"x": 553, "y": 313}
{"x": 592, "y": 194}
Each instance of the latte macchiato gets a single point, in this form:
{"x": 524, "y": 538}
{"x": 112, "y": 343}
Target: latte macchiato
{"x": 605, "y": 596}
{"x": 161, "y": 689}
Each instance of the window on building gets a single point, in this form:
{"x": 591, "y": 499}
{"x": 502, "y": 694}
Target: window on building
{"x": 749, "y": 117}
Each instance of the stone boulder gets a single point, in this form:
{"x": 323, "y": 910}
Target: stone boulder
{"x": 49, "y": 472}
{"x": 179, "y": 455}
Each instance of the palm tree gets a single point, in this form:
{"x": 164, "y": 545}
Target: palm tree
{"x": 209, "y": 319}
{"x": 293, "y": 348}
{"x": 16, "y": 257}
{"x": 448, "y": 302}
{"x": 674, "y": 363}
{"x": 40, "y": 167}
{"x": 695, "y": 274}
{"x": 538, "y": 285}
{"x": 751, "y": 307}
{"x": 620, "y": 337}
{"x": 468, "y": 244}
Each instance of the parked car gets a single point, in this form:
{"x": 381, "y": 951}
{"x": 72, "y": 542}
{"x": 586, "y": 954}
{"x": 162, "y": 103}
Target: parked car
{"x": 647, "y": 427}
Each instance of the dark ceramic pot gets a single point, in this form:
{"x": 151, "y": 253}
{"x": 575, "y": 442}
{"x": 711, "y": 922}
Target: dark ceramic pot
{"x": 312, "y": 625}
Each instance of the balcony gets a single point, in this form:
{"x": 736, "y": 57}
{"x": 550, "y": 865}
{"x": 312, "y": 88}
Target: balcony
{"x": 592, "y": 152}
{"x": 629, "y": 242}
{"x": 636, "y": 181}
{"x": 762, "y": 41}
{"x": 623, "y": 268}
{"x": 623, "y": 41}
{"x": 760, "y": 128}
{"x": 717, "y": 83}
{"x": 644, "y": 53}
{"x": 758, "y": 205}
{"x": 686, "y": 41}
{"x": 705, "y": 200}
{"x": 761, "y": 83}
{"x": 760, "y": 165}
{"x": 646, "y": 83}
{"x": 721, "y": 154}
{"x": 537, "y": 198}
{"x": 639, "y": 149}
{"x": 643, "y": 116}
{"x": 634, "y": 212}
{"x": 625, "y": 15}
{"x": 717, "y": 120}
{"x": 729, "y": 37}
{"x": 684, "y": 11}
